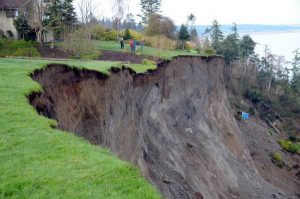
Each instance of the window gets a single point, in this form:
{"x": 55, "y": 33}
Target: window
{"x": 11, "y": 13}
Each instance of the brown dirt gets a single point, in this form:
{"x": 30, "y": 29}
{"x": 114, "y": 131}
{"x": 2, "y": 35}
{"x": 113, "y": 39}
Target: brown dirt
{"x": 261, "y": 144}
{"x": 125, "y": 57}
{"x": 58, "y": 53}
{"x": 174, "y": 123}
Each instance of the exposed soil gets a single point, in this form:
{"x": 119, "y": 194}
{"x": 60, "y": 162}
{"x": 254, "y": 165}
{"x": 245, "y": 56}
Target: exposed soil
{"x": 262, "y": 142}
{"x": 57, "y": 53}
{"x": 133, "y": 58}
{"x": 174, "y": 123}
{"x": 261, "y": 139}
{"x": 125, "y": 57}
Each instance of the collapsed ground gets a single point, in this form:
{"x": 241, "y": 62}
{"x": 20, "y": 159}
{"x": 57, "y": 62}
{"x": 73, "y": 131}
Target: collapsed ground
{"x": 174, "y": 123}
{"x": 38, "y": 161}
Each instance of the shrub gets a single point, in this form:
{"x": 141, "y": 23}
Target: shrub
{"x": 209, "y": 51}
{"x": 254, "y": 95}
{"x": 159, "y": 42}
{"x": 101, "y": 33}
{"x": 290, "y": 146}
{"x": 9, "y": 34}
{"x": 17, "y": 48}
{"x": 110, "y": 35}
{"x": 294, "y": 138}
{"x": 78, "y": 44}
{"x": 148, "y": 62}
{"x": 252, "y": 111}
{"x": 277, "y": 159}
{"x": 135, "y": 35}
{"x": 21, "y": 44}
{"x": 26, "y": 52}
{"x": 127, "y": 35}
{"x": 98, "y": 32}
{"x": 2, "y": 35}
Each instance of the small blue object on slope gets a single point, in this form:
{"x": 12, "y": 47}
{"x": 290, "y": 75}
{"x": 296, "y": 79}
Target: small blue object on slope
{"x": 245, "y": 116}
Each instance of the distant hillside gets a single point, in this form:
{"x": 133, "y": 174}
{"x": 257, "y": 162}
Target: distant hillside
{"x": 248, "y": 28}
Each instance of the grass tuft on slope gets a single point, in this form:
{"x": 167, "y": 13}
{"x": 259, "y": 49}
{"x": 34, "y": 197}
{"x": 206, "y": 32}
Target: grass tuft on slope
{"x": 37, "y": 161}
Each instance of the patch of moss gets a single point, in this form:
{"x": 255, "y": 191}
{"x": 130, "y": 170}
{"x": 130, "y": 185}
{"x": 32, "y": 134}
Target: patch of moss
{"x": 277, "y": 159}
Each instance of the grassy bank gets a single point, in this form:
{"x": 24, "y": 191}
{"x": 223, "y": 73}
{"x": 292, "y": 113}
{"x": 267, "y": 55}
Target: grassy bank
{"x": 40, "y": 162}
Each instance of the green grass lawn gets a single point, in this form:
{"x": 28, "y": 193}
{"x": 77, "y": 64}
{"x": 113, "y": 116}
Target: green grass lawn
{"x": 161, "y": 53}
{"x": 37, "y": 161}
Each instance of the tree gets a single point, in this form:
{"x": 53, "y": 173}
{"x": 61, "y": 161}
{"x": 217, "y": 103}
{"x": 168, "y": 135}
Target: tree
{"x": 159, "y": 25}
{"x": 149, "y": 7}
{"x": 37, "y": 19}
{"x": 268, "y": 66}
{"x": 68, "y": 12}
{"x": 191, "y": 19}
{"x": 129, "y": 22}
{"x": 127, "y": 34}
{"x": 216, "y": 35}
{"x": 120, "y": 7}
{"x": 247, "y": 46}
{"x": 60, "y": 14}
{"x": 229, "y": 47}
{"x": 183, "y": 35}
{"x": 86, "y": 15}
{"x": 22, "y": 26}
{"x": 296, "y": 71}
{"x": 296, "y": 63}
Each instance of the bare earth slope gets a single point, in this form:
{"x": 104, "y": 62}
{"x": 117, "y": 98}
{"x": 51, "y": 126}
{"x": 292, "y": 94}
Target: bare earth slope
{"x": 174, "y": 123}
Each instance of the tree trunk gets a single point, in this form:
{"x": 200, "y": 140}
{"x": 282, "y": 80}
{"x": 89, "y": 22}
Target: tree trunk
{"x": 269, "y": 85}
{"x": 39, "y": 37}
{"x": 53, "y": 41}
{"x": 118, "y": 27}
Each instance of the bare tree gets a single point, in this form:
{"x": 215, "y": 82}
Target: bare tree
{"x": 35, "y": 18}
{"x": 86, "y": 14}
{"x": 119, "y": 8}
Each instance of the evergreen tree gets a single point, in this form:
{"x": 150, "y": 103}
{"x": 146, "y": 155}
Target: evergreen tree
{"x": 229, "y": 48}
{"x": 21, "y": 25}
{"x": 60, "y": 14}
{"x": 191, "y": 19}
{"x": 149, "y": 7}
{"x": 296, "y": 72}
{"x": 216, "y": 35}
{"x": 183, "y": 35}
{"x": 296, "y": 63}
{"x": 247, "y": 46}
{"x": 68, "y": 14}
{"x": 127, "y": 35}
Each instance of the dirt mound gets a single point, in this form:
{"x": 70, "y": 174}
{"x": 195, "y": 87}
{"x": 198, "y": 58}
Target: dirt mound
{"x": 174, "y": 123}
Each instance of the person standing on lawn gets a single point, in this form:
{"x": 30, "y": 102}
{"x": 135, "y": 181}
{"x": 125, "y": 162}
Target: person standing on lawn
{"x": 131, "y": 43}
{"x": 122, "y": 43}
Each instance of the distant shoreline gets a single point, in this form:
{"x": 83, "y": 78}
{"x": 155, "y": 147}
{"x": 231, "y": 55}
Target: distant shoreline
{"x": 271, "y": 32}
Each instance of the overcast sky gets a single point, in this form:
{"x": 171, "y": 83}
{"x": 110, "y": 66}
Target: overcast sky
{"x": 225, "y": 11}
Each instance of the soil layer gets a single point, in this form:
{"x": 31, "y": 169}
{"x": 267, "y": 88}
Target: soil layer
{"x": 174, "y": 123}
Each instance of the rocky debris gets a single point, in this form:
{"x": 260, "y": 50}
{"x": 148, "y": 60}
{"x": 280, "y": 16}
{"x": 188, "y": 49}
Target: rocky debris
{"x": 174, "y": 123}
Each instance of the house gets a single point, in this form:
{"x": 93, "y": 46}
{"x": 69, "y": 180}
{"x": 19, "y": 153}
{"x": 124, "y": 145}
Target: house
{"x": 9, "y": 10}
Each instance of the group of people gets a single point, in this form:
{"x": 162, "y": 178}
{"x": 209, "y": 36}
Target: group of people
{"x": 134, "y": 44}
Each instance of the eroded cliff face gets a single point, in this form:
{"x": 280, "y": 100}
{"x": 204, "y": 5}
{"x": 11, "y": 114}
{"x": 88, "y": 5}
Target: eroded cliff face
{"x": 174, "y": 123}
